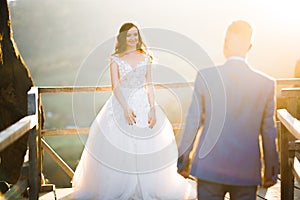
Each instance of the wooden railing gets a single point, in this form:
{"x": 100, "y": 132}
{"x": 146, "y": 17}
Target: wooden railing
{"x": 33, "y": 124}
{"x": 33, "y": 121}
{"x": 289, "y": 136}
{"x": 84, "y": 130}
{"x": 289, "y": 152}
{"x": 14, "y": 132}
{"x": 287, "y": 81}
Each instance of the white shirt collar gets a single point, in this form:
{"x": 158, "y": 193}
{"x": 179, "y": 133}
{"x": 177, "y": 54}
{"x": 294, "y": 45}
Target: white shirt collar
{"x": 237, "y": 58}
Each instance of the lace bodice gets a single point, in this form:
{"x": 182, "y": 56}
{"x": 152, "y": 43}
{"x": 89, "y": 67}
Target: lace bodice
{"x": 132, "y": 77}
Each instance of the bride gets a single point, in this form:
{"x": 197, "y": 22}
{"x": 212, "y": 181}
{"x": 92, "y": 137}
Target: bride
{"x": 131, "y": 152}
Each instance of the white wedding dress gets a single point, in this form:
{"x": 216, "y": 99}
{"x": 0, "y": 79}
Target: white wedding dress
{"x": 124, "y": 162}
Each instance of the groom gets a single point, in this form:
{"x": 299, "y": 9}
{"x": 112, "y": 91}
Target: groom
{"x": 235, "y": 104}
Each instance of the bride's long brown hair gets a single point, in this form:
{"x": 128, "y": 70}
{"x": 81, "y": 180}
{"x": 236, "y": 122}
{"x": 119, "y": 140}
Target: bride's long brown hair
{"x": 121, "y": 39}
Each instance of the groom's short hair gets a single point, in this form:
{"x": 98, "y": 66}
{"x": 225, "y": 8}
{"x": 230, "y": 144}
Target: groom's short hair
{"x": 241, "y": 29}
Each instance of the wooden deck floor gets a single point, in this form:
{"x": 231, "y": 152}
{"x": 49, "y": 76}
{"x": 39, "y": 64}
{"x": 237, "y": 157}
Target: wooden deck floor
{"x": 272, "y": 193}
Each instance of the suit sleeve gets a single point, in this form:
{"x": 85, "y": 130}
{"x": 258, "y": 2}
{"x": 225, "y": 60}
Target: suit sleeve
{"x": 268, "y": 131}
{"x": 192, "y": 122}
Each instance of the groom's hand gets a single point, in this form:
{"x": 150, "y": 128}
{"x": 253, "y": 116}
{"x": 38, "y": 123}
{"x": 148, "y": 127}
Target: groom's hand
{"x": 269, "y": 178}
{"x": 183, "y": 165}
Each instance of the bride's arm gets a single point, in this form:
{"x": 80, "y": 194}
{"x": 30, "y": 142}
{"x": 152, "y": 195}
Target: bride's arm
{"x": 150, "y": 93}
{"x": 115, "y": 83}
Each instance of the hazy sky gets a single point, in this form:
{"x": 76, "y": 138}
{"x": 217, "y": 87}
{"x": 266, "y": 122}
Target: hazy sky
{"x": 277, "y": 25}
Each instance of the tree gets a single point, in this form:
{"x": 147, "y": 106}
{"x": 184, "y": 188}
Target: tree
{"x": 15, "y": 81}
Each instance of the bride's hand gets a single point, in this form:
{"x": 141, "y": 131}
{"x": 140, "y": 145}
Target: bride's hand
{"x": 151, "y": 117}
{"x": 130, "y": 116}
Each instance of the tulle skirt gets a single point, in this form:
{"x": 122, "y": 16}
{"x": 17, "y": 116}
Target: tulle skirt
{"x": 124, "y": 162}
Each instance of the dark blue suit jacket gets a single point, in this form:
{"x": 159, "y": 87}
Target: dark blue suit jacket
{"x": 237, "y": 105}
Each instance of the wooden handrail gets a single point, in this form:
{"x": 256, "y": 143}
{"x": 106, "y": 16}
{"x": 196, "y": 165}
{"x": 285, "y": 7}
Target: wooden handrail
{"x": 107, "y": 88}
{"x": 290, "y": 92}
{"x": 17, "y": 130}
{"x": 288, "y": 81}
{"x": 287, "y": 87}
{"x": 291, "y": 123}
{"x": 66, "y": 131}
{"x": 70, "y": 89}
{"x": 16, "y": 190}
{"x": 75, "y": 131}
{"x": 289, "y": 163}
{"x": 104, "y": 88}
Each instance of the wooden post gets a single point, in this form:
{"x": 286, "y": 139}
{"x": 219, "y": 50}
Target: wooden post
{"x": 287, "y": 178}
{"x": 39, "y": 142}
{"x": 34, "y": 183}
{"x": 32, "y": 101}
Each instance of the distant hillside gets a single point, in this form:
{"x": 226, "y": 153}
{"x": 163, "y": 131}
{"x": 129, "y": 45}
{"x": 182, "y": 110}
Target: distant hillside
{"x": 54, "y": 37}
